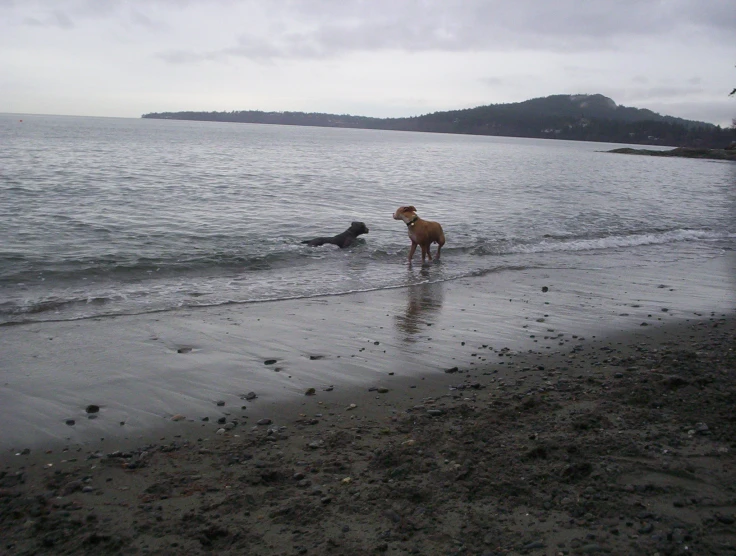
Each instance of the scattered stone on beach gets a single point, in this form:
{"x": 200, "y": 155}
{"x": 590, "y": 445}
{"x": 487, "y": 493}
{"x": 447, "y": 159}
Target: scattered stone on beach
{"x": 263, "y": 422}
{"x": 70, "y": 422}
{"x": 310, "y": 392}
{"x": 545, "y": 289}
{"x": 249, "y": 396}
{"x": 381, "y": 390}
{"x": 92, "y": 408}
{"x": 702, "y": 428}
{"x": 596, "y": 458}
{"x": 184, "y": 350}
{"x": 178, "y": 417}
{"x": 270, "y": 361}
{"x": 220, "y": 403}
{"x": 351, "y": 406}
{"x": 452, "y": 370}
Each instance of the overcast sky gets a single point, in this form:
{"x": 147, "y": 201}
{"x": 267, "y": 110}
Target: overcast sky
{"x": 364, "y": 57}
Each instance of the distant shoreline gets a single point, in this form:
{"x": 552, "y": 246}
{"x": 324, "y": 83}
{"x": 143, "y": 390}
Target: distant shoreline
{"x": 569, "y": 117}
{"x": 682, "y": 152}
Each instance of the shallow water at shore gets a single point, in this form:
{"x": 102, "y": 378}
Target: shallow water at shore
{"x": 141, "y": 370}
{"x": 105, "y": 216}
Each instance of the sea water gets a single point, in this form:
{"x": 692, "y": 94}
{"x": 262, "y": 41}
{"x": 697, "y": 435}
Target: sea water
{"x": 102, "y": 216}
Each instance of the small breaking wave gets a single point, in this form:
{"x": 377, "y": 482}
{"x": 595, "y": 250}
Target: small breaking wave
{"x": 550, "y": 244}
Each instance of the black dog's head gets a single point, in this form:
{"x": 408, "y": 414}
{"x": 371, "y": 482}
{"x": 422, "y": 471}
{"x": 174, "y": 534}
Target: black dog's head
{"x": 358, "y": 228}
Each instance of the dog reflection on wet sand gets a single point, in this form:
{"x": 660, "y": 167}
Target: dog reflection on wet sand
{"x": 423, "y": 302}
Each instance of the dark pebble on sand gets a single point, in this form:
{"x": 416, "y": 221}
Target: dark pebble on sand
{"x": 249, "y": 396}
{"x": 70, "y": 422}
{"x": 453, "y": 370}
{"x": 264, "y": 422}
{"x": 222, "y": 420}
{"x": 270, "y": 361}
{"x": 534, "y": 545}
{"x": 184, "y": 350}
{"x": 92, "y": 408}
{"x": 646, "y": 528}
{"x": 545, "y": 289}
{"x": 220, "y": 403}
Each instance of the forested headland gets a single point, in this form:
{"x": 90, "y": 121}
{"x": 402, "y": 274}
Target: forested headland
{"x": 571, "y": 117}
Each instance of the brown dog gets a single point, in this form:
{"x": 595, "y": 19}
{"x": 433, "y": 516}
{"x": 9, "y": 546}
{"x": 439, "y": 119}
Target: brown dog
{"x": 421, "y": 232}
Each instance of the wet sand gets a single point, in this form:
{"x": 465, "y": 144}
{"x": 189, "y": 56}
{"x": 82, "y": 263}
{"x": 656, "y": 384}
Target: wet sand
{"x": 485, "y": 416}
{"x": 142, "y": 370}
{"x": 622, "y": 445}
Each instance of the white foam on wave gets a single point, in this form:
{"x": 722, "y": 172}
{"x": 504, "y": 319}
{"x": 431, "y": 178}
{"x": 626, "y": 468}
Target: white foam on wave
{"x": 619, "y": 241}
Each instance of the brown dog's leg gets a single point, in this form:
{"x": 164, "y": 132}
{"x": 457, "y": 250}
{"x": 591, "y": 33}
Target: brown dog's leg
{"x": 425, "y": 251}
{"x": 440, "y": 243}
{"x": 411, "y": 251}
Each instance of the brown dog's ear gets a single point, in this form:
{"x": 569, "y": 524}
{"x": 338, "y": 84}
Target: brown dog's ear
{"x": 409, "y": 209}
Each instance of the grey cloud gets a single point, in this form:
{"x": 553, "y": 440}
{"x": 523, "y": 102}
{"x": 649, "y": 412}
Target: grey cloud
{"x": 329, "y": 29}
{"x": 663, "y": 92}
{"x": 181, "y": 57}
{"x": 54, "y": 19}
{"x": 60, "y": 19}
{"x": 140, "y": 19}
{"x": 32, "y": 21}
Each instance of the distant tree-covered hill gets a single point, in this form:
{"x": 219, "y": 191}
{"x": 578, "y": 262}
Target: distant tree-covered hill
{"x": 574, "y": 117}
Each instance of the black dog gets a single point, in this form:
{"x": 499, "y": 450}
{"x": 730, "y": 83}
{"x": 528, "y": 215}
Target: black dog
{"x": 342, "y": 240}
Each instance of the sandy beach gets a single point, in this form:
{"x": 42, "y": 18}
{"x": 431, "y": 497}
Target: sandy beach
{"x": 544, "y": 411}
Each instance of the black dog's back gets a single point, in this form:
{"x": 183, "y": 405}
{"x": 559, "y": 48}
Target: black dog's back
{"x": 342, "y": 240}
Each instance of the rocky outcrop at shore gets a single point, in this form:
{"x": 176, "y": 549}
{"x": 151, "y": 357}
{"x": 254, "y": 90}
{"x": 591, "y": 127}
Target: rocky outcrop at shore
{"x": 683, "y": 152}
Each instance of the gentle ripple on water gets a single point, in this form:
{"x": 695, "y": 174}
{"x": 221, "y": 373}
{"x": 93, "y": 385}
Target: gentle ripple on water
{"x": 104, "y": 215}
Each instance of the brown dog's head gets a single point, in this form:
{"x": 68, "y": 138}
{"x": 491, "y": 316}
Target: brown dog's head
{"x": 405, "y": 211}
